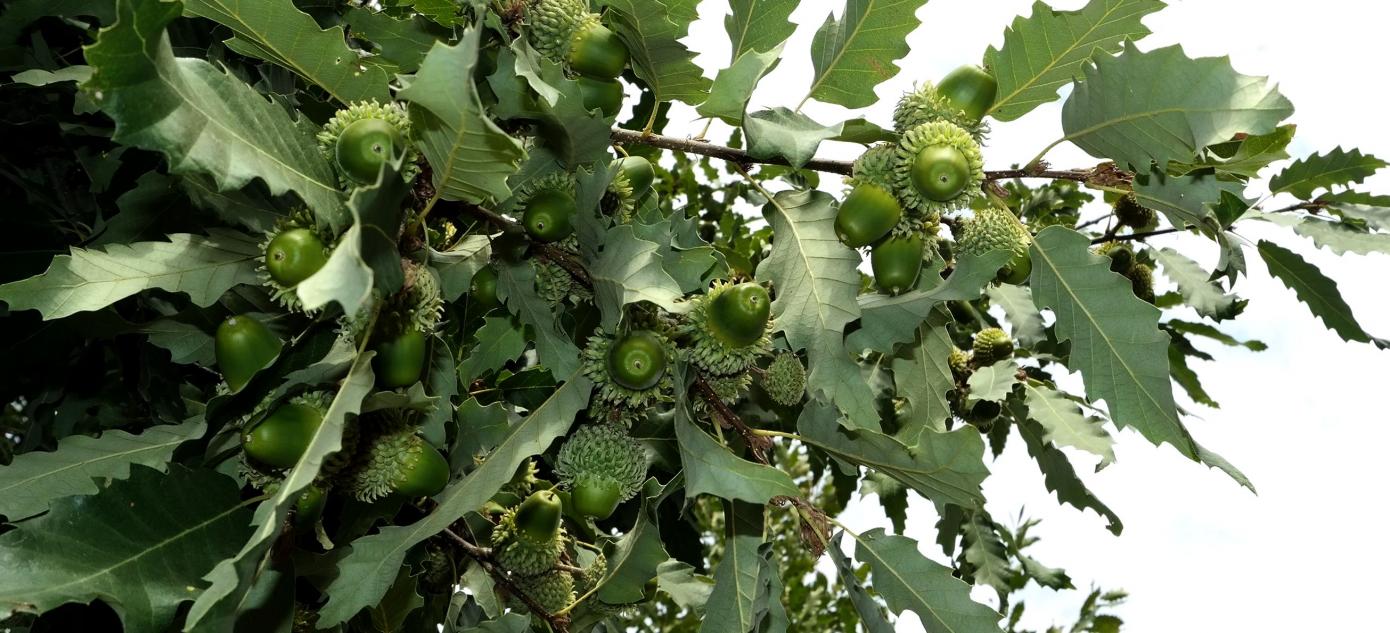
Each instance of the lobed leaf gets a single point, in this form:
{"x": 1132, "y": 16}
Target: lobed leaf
{"x": 85, "y": 280}
{"x": 1047, "y": 50}
{"x": 758, "y": 25}
{"x": 853, "y": 54}
{"x": 1065, "y": 424}
{"x": 1315, "y": 290}
{"x": 909, "y": 581}
{"x": 1324, "y": 171}
{"x": 652, "y": 30}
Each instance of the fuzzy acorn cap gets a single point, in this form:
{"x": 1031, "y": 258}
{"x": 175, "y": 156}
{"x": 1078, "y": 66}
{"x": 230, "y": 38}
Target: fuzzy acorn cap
{"x": 561, "y": 181}
{"x": 553, "y": 24}
{"x": 924, "y": 105}
{"x": 552, "y": 591}
{"x": 393, "y": 113}
{"x": 993, "y": 229}
{"x": 602, "y": 454}
{"x": 876, "y": 166}
{"x": 1130, "y": 213}
{"x": 710, "y": 353}
{"x": 523, "y": 556}
{"x": 991, "y": 346}
{"x": 419, "y": 306}
{"x": 300, "y": 218}
{"x": 960, "y": 363}
{"x": 928, "y": 135}
{"x": 1141, "y": 277}
{"x": 390, "y": 445}
{"x": 784, "y": 380}
{"x": 607, "y": 390}
{"x": 554, "y": 283}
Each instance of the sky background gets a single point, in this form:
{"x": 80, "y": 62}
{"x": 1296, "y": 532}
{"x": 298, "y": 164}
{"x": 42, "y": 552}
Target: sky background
{"x": 1306, "y": 420}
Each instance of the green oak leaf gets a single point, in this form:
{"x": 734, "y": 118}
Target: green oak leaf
{"x": 1139, "y": 108}
{"x": 1198, "y": 291}
{"x": 186, "y": 343}
{"x": 710, "y": 468}
{"x": 457, "y": 264}
{"x": 889, "y": 321}
{"x": 1324, "y": 171}
{"x": 992, "y": 383}
{"x": 871, "y": 613}
{"x": 516, "y": 287}
{"x": 1371, "y": 209}
{"x": 1244, "y": 158}
{"x": 1115, "y": 340}
{"x": 1058, "y": 474}
{"x": 155, "y": 98}
{"x": 1315, "y": 290}
{"x": 780, "y": 133}
{"x": 403, "y": 42}
{"x": 909, "y": 581}
{"x": 1342, "y": 238}
{"x": 1185, "y": 200}
{"x": 500, "y": 339}
{"x": 733, "y": 86}
{"x": 652, "y": 30}
{"x": 1065, "y": 424}
{"x": 1047, "y": 50}
{"x": 37, "y": 478}
{"x": 1017, "y": 302}
{"x": 732, "y": 604}
{"x": 988, "y": 559}
{"x": 758, "y": 25}
{"x": 923, "y": 378}
{"x": 637, "y": 555}
{"x": 630, "y": 270}
{"x": 816, "y": 280}
{"x": 365, "y": 258}
{"x": 366, "y": 572}
{"x": 853, "y": 54}
{"x": 84, "y": 280}
{"x": 278, "y": 32}
{"x": 69, "y": 555}
{"x": 943, "y": 467}
{"x": 469, "y": 156}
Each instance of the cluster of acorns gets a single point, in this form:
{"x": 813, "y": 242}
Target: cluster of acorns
{"x": 899, "y": 191}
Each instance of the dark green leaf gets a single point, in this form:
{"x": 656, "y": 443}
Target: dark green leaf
{"x": 652, "y": 30}
{"x": 909, "y": 581}
{"x": 853, "y": 54}
{"x": 1317, "y": 291}
{"x": 758, "y": 25}
{"x": 1324, "y": 171}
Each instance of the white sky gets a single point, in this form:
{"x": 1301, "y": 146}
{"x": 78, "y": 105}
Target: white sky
{"x": 1305, "y": 420}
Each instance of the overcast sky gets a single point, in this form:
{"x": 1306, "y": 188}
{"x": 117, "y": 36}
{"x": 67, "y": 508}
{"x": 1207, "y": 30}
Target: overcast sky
{"x": 1306, "y": 420}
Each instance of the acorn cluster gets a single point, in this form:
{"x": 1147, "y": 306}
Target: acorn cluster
{"x": 899, "y": 191}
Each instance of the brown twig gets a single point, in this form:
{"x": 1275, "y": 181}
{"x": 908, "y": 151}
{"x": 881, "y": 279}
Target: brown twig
{"x": 756, "y": 443}
{"x": 483, "y": 556}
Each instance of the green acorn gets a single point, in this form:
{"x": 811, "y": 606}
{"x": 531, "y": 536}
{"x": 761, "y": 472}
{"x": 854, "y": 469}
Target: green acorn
{"x": 997, "y": 229}
{"x": 281, "y": 438}
{"x": 354, "y": 140}
{"x": 552, "y": 591}
{"x": 784, "y": 380}
{"x": 721, "y": 329}
{"x": 548, "y": 207}
{"x": 1128, "y": 212}
{"x": 1141, "y": 278}
{"x": 991, "y": 346}
{"x": 396, "y": 460}
{"x": 529, "y": 539}
{"x": 290, "y": 253}
{"x": 565, "y": 30}
{"x": 611, "y": 389}
{"x": 921, "y": 151}
{"x": 602, "y": 467}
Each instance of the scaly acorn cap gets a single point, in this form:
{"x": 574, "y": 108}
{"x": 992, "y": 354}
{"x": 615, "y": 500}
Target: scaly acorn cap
{"x": 993, "y": 229}
{"x": 876, "y": 166}
{"x": 552, "y": 591}
{"x": 1136, "y": 216}
{"x": 392, "y": 113}
{"x": 928, "y": 135}
{"x": 960, "y": 364}
{"x": 607, "y": 390}
{"x": 560, "y": 181}
{"x": 708, "y": 351}
{"x": 784, "y": 380}
{"x": 1141, "y": 277}
{"x": 991, "y": 346}
{"x": 924, "y": 105}
{"x": 605, "y": 455}
{"x": 553, "y": 24}
{"x": 387, "y": 445}
{"x": 554, "y": 283}
{"x": 529, "y": 539}
{"x": 729, "y": 390}
{"x": 419, "y": 306}
{"x": 1120, "y": 254}
{"x": 619, "y": 200}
